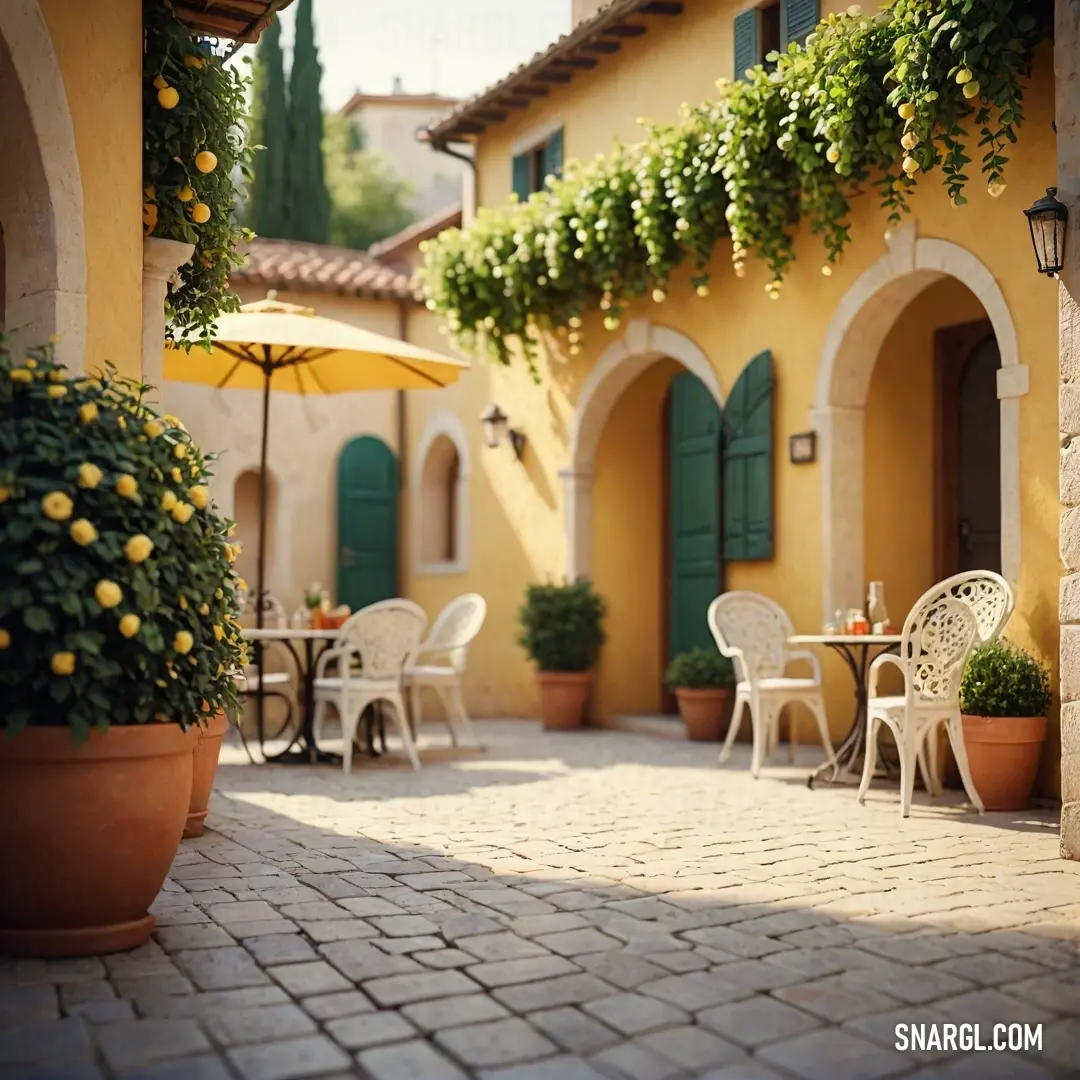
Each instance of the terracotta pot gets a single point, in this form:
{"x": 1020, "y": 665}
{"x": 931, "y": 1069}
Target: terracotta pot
{"x": 87, "y": 835}
{"x": 1003, "y": 753}
{"x": 704, "y": 711}
{"x": 204, "y": 769}
{"x": 563, "y": 696}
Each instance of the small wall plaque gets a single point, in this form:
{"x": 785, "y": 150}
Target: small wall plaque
{"x": 803, "y": 448}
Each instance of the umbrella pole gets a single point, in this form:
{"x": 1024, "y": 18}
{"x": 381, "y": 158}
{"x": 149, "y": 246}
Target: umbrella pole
{"x": 261, "y": 554}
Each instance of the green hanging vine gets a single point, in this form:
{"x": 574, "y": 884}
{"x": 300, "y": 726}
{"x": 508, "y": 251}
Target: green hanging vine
{"x": 193, "y": 147}
{"x": 868, "y": 100}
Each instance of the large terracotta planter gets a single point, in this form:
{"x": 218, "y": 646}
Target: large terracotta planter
{"x": 87, "y": 835}
{"x": 204, "y": 769}
{"x": 704, "y": 711}
{"x": 1003, "y": 753}
{"x": 563, "y": 697}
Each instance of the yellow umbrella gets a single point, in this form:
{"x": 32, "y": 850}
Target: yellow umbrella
{"x": 271, "y": 345}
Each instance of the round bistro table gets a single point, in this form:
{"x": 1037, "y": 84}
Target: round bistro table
{"x": 858, "y": 651}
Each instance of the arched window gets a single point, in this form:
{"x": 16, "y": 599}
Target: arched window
{"x": 440, "y": 497}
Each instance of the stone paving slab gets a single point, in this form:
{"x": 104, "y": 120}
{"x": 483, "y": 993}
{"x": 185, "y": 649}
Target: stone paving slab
{"x": 579, "y": 906}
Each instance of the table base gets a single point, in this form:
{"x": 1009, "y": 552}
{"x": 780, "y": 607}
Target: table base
{"x": 305, "y": 757}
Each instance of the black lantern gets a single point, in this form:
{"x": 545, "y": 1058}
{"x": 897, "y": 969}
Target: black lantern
{"x": 496, "y": 426}
{"x": 1047, "y": 219}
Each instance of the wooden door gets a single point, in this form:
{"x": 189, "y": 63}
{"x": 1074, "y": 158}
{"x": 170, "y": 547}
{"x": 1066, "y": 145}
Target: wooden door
{"x": 694, "y": 540}
{"x": 968, "y": 457}
{"x": 367, "y": 523}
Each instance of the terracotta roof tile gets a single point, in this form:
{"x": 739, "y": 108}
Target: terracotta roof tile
{"x": 241, "y": 20}
{"x": 303, "y": 267}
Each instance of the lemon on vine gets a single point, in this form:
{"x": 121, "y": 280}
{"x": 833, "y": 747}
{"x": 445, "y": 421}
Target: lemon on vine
{"x": 159, "y": 82}
{"x": 964, "y": 75}
{"x": 200, "y": 213}
{"x": 186, "y": 193}
{"x": 168, "y": 97}
{"x": 971, "y": 89}
{"x": 206, "y": 161}
{"x": 906, "y": 110}
{"x": 909, "y": 140}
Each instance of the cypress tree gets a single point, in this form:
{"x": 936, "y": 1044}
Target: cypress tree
{"x": 268, "y": 204}
{"x": 308, "y": 199}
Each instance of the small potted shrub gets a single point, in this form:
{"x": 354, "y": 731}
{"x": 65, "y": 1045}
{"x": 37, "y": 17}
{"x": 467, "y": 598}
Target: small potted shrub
{"x": 117, "y": 644}
{"x": 702, "y": 680}
{"x": 562, "y": 632}
{"x": 1004, "y": 696}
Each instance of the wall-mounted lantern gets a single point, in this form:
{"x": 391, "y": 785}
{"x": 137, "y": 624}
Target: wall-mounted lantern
{"x": 1047, "y": 220}
{"x": 803, "y": 448}
{"x": 497, "y": 430}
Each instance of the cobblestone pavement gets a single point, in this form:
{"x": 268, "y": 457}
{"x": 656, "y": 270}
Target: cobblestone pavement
{"x": 570, "y": 907}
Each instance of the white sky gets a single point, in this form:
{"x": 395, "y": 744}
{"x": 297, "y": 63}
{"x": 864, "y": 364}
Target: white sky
{"x": 451, "y": 47}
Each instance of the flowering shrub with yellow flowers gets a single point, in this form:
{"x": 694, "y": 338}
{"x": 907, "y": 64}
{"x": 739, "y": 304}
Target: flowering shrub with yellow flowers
{"x": 116, "y": 579}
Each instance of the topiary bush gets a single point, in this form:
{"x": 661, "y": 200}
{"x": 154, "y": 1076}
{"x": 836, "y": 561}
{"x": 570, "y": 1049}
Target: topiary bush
{"x": 1002, "y": 679}
{"x": 116, "y": 581}
{"x": 699, "y": 669}
{"x": 562, "y": 626}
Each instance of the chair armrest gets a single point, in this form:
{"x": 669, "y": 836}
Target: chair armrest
{"x": 875, "y": 671}
{"x": 327, "y": 655}
{"x": 810, "y": 657}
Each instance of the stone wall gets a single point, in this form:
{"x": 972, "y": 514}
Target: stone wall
{"x": 1067, "y": 71}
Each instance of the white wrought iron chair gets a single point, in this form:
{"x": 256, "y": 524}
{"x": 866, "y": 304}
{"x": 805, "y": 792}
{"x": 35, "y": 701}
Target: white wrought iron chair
{"x": 991, "y": 599}
{"x": 440, "y": 664}
{"x": 753, "y": 631}
{"x": 939, "y": 634}
{"x": 372, "y": 652}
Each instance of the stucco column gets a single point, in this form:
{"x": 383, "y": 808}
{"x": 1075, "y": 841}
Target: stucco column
{"x": 1067, "y": 119}
{"x": 161, "y": 258}
{"x": 840, "y": 431}
{"x": 577, "y": 517}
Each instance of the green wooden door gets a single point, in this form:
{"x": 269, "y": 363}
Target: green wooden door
{"x": 694, "y": 541}
{"x": 748, "y": 463}
{"x": 367, "y": 523}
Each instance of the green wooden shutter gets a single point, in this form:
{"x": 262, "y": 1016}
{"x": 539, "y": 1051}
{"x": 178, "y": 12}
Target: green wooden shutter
{"x": 367, "y": 523}
{"x": 797, "y": 19}
{"x": 694, "y": 538}
{"x": 553, "y": 156}
{"x": 521, "y": 177}
{"x": 748, "y": 463}
{"x": 746, "y": 42}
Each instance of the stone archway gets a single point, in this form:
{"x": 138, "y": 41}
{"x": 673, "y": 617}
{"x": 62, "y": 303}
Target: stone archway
{"x": 443, "y": 425}
{"x": 41, "y": 201}
{"x": 619, "y": 365}
{"x": 853, "y": 341}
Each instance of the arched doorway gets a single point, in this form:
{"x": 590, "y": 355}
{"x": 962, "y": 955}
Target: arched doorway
{"x": 874, "y": 315}
{"x": 246, "y": 516}
{"x": 41, "y": 203}
{"x": 367, "y": 523}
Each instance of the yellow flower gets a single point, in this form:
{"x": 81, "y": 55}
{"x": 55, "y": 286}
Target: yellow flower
{"x": 241, "y": 583}
{"x": 199, "y": 496}
{"x": 183, "y": 642}
{"x": 89, "y": 475}
{"x": 177, "y": 475}
{"x": 121, "y": 423}
{"x": 180, "y": 451}
{"x": 218, "y": 632}
{"x": 21, "y": 375}
{"x": 168, "y": 500}
{"x": 153, "y": 428}
{"x": 108, "y": 594}
{"x": 88, "y": 412}
{"x": 129, "y": 625}
{"x": 173, "y": 421}
{"x": 204, "y": 609}
{"x": 127, "y": 486}
{"x": 57, "y": 506}
{"x": 83, "y": 532}
{"x": 138, "y": 548}
{"x": 5, "y": 640}
{"x": 231, "y": 553}
{"x": 57, "y": 391}
{"x": 182, "y": 512}
{"x": 30, "y": 362}
{"x": 5, "y": 494}
{"x": 62, "y": 663}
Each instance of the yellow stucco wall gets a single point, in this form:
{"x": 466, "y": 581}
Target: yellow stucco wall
{"x": 100, "y": 55}
{"x": 518, "y": 532}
